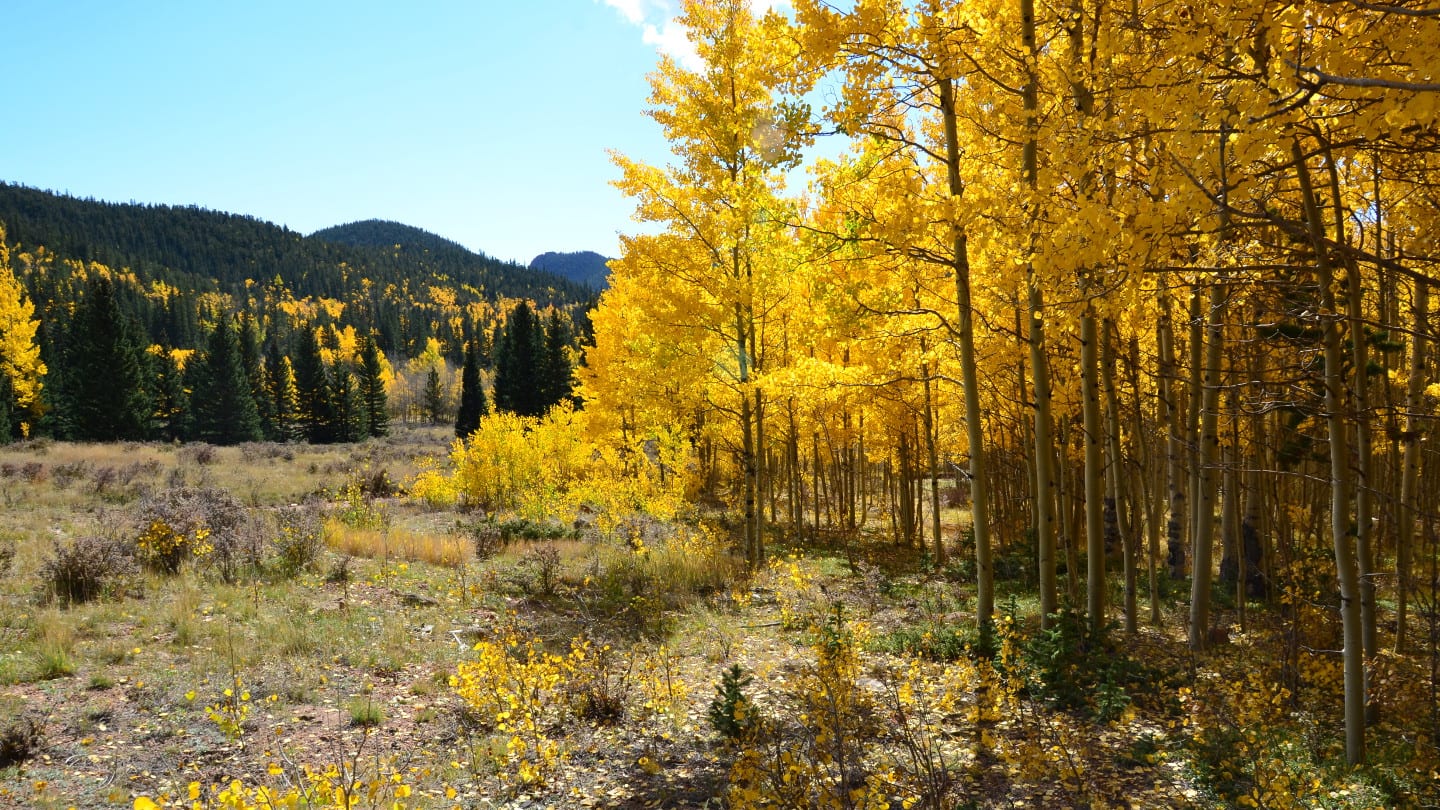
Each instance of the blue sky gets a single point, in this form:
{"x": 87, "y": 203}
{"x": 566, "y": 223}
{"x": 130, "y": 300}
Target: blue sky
{"x": 486, "y": 122}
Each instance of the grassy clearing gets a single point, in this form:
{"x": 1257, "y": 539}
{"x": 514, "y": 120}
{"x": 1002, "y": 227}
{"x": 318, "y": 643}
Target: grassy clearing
{"x": 347, "y": 655}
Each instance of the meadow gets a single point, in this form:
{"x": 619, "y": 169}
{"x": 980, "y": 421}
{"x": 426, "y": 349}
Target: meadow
{"x": 283, "y": 626}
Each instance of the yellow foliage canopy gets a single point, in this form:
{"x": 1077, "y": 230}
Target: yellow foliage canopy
{"x": 19, "y": 353}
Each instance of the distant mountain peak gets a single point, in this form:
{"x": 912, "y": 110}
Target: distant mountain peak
{"x": 583, "y": 267}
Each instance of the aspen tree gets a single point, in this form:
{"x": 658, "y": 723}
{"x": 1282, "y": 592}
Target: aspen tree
{"x": 900, "y": 65}
{"x": 1341, "y": 481}
{"x": 733, "y": 136}
{"x": 20, "y": 362}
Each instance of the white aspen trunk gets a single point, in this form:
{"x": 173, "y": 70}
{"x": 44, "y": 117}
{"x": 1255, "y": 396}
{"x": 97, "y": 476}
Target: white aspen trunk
{"x": 969, "y": 377}
{"x": 1341, "y": 493}
{"x": 1039, "y": 365}
{"x": 1117, "y": 504}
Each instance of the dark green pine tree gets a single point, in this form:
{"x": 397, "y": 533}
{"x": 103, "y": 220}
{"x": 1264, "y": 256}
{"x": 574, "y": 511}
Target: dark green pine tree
{"x": 372, "y": 388}
{"x": 7, "y": 410}
{"x": 434, "y": 403}
{"x": 280, "y": 395}
{"x": 171, "y": 401}
{"x": 350, "y": 423}
{"x": 555, "y": 372}
{"x": 316, "y": 413}
{"x": 250, "y": 359}
{"x": 472, "y": 395}
{"x": 222, "y": 407}
{"x": 104, "y": 394}
{"x": 47, "y": 412}
{"x": 518, "y": 364}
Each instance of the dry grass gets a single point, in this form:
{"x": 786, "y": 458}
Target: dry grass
{"x": 54, "y": 491}
{"x": 54, "y": 646}
{"x": 399, "y": 543}
{"x": 362, "y": 661}
{"x": 40, "y": 475}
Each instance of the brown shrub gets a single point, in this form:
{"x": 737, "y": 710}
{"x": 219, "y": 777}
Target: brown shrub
{"x": 199, "y": 453}
{"x": 235, "y": 537}
{"x": 66, "y": 474}
{"x": 86, "y": 568}
{"x": 20, "y": 739}
{"x": 7, "y": 554}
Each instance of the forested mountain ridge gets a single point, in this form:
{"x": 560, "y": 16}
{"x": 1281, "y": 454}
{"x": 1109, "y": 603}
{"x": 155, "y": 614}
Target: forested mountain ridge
{"x": 167, "y": 243}
{"x": 399, "y": 241}
{"x": 585, "y": 267}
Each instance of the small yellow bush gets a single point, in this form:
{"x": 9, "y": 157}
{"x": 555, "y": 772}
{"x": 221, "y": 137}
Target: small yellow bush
{"x": 162, "y": 548}
{"x": 518, "y": 688}
{"x": 549, "y": 467}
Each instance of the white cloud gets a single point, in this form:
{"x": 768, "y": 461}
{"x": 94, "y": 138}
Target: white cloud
{"x": 631, "y": 10}
{"x": 673, "y": 39}
{"x": 658, "y": 26}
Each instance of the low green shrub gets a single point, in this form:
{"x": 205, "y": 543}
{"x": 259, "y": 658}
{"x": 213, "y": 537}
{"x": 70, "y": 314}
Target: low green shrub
{"x": 1074, "y": 668}
{"x": 935, "y": 641}
{"x": 729, "y": 712}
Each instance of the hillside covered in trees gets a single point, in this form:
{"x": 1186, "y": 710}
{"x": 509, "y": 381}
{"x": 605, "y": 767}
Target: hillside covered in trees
{"x": 194, "y": 248}
{"x": 130, "y": 307}
{"x": 585, "y": 267}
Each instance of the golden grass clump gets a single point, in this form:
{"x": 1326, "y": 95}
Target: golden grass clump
{"x": 398, "y": 543}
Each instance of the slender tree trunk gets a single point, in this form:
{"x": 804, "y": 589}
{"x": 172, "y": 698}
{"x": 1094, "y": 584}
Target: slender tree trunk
{"x": 794, "y": 482}
{"x": 1094, "y": 473}
{"x": 1023, "y": 435}
{"x": 1253, "y": 531}
{"x": 1068, "y": 504}
{"x": 1230, "y": 501}
{"x": 859, "y": 476}
{"x": 969, "y": 377}
{"x": 934, "y": 460}
{"x": 747, "y": 464}
{"x": 1195, "y": 387}
{"x": 1230, "y": 511}
{"x": 1341, "y": 484}
{"x": 1203, "y": 541}
{"x": 907, "y": 501}
{"x": 1039, "y": 369}
{"x": 1170, "y": 420}
{"x": 1364, "y": 455}
{"x": 1364, "y": 467}
{"x": 761, "y": 477}
{"x": 1115, "y": 478}
{"x": 816, "y": 478}
{"x": 1410, "y": 464}
{"x": 1143, "y": 485}
{"x": 892, "y": 502}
